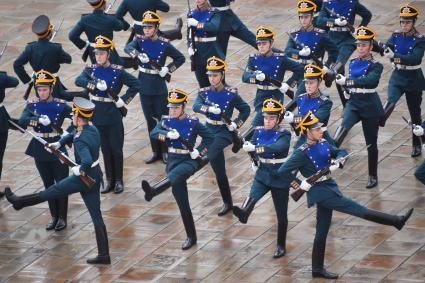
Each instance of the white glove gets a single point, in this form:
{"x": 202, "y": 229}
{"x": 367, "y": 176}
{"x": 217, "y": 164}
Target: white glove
{"x": 346, "y": 95}
{"x": 44, "y": 120}
{"x": 305, "y": 51}
{"x": 260, "y": 76}
{"x": 76, "y": 170}
{"x": 143, "y": 57}
{"x": 194, "y": 154}
{"x": 288, "y": 117}
{"x": 119, "y": 103}
{"x": 191, "y": 51}
{"x": 340, "y": 22}
{"x": 284, "y": 88}
{"x": 214, "y": 109}
{"x": 191, "y": 22}
{"x": 326, "y": 70}
{"x": 173, "y": 134}
{"x": 163, "y": 72}
{"x": 334, "y": 166}
{"x": 305, "y": 186}
{"x": 55, "y": 145}
{"x": 388, "y": 53}
{"x": 418, "y": 131}
{"x": 101, "y": 85}
{"x": 248, "y": 146}
{"x": 254, "y": 168}
{"x": 340, "y": 79}
{"x": 232, "y": 127}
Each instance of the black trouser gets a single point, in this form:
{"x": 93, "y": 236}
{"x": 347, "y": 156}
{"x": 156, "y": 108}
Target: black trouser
{"x": 3, "y": 142}
{"x": 112, "y": 142}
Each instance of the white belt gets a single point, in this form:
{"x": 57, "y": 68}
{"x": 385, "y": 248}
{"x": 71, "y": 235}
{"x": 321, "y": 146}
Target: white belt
{"x": 178, "y": 150}
{"x": 101, "y": 99}
{"x": 1, "y": 105}
{"x": 46, "y": 135}
{"x": 305, "y": 61}
{"x": 223, "y": 8}
{"x": 94, "y": 164}
{"x": 339, "y": 29}
{"x": 205, "y": 39}
{"x": 324, "y": 178}
{"x": 405, "y": 67}
{"x": 214, "y": 122}
{"x": 148, "y": 71}
{"x": 362, "y": 90}
{"x": 267, "y": 87}
{"x": 272, "y": 161}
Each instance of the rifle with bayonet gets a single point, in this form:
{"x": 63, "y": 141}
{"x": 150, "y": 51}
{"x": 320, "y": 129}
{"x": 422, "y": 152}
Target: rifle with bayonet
{"x": 135, "y": 53}
{"x": 4, "y": 48}
{"x": 191, "y": 39}
{"x": 111, "y": 4}
{"x": 56, "y": 31}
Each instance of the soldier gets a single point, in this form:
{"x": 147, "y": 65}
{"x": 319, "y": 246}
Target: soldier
{"x": 43, "y": 54}
{"x": 136, "y": 9}
{"x": 104, "y": 81}
{"x": 405, "y": 48}
{"x": 151, "y": 53}
{"x": 312, "y": 157}
{"x": 271, "y": 144}
{"x": 182, "y": 163}
{"x": 203, "y": 23}
{"x": 86, "y": 141}
{"x": 363, "y": 104}
{"x": 95, "y": 24}
{"x": 339, "y": 16}
{"x": 216, "y": 102}
{"x": 46, "y": 115}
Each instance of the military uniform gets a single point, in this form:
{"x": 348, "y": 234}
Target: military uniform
{"x": 43, "y": 54}
{"x": 86, "y": 141}
{"x": 182, "y": 162}
{"x": 108, "y": 118}
{"x": 5, "y": 82}
{"x": 153, "y": 93}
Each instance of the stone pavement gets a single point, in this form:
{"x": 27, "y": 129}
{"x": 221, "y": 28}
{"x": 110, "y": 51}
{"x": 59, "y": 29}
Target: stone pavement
{"x": 145, "y": 238}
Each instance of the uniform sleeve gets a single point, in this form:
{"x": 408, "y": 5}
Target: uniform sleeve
{"x": 74, "y": 35}
{"x": 28, "y": 119}
{"x": 413, "y": 58}
{"x": 118, "y": 24}
{"x": 84, "y": 152}
{"x": 248, "y": 76}
{"x": 64, "y": 57}
{"x": 199, "y": 106}
{"x": 84, "y": 80}
{"x": 67, "y": 139}
{"x": 158, "y": 133}
{"x": 363, "y": 12}
{"x": 133, "y": 84}
{"x": 207, "y": 138}
{"x": 324, "y": 111}
{"x": 370, "y": 80}
{"x": 324, "y": 19}
{"x": 67, "y": 111}
{"x": 291, "y": 49}
{"x": 162, "y": 6}
{"x": 296, "y": 68}
{"x": 294, "y": 163}
{"x": 121, "y": 12}
{"x": 178, "y": 58}
{"x": 212, "y": 26}
{"x": 243, "y": 108}
{"x": 338, "y": 153}
{"x": 133, "y": 45}
{"x": 18, "y": 65}
{"x": 10, "y": 82}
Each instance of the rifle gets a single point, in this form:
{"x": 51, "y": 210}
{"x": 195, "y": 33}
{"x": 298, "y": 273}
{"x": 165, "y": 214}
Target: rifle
{"x": 191, "y": 39}
{"x": 111, "y": 4}
{"x": 333, "y": 13}
{"x": 123, "y": 110}
{"x": 30, "y": 86}
{"x": 408, "y": 122}
{"x": 56, "y": 31}
{"x": 153, "y": 63}
{"x": 86, "y": 179}
{"x": 86, "y": 53}
{"x": 4, "y": 48}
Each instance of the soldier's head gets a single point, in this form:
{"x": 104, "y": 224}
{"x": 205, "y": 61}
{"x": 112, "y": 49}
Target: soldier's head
{"x": 97, "y": 4}
{"x": 313, "y": 76}
{"x": 102, "y": 49}
{"x": 177, "y": 100}
{"x": 44, "y": 82}
{"x": 216, "y": 69}
{"x": 408, "y": 16}
{"x": 310, "y": 127}
{"x": 364, "y": 40}
{"x": 82, "y": 111}
{"x": 202, "y": 3}
{"x": 306, "y": 9}
{"x": 150, "y": 23}
{"x": 265, "y": 38}
{"x": 42, "y": 27}
{"x": 272, "y": 113}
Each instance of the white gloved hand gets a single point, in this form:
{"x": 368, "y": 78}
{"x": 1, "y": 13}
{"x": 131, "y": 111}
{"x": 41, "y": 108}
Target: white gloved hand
{"x": 284, "y": 88}
{"x": 76, "y": 170}
{"x": 306, "y": 51}
{"x": 418, "y": 131}
{"x": 191, "y": 22}
{"x": 341, "y": 22}
{"x": 232, "y": 127}
{"x": 254, "y": 168}
{"x": 346, "y": 95}
{"x": 340, "y": 79}
{"x": 288, "y": 117}
{"x": 163, "y": 72}
{"x": 260, "y": 76}
{"x": 173, "y": 134}
{"x": 214, "y": 109}
{"x": 334, "y": 165}
{"x": 248, "y": 146}
{"x": 44, "y": 120}
{"x": 326, "y": 70}
{"x": 305, "y": 186}
{"x": 143, "y": 57}
{"x": 388, "y": 53}
{"x": 191, "y": 51}
{"x": 194, "y": 154}
{"x": 101, "y": 85}
{"x": 55, "y": 145}
{"x": 119, "y": 103}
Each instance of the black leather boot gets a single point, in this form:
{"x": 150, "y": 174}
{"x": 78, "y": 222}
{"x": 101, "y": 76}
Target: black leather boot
{"x": 164, "y": 152}
{"x": 109, "y": 172}
{"x": 155, "y": 152}
{"x": 388, "y": 109}
{"x": 189, "y": 226}
{"x": 102, "y": 247}
{"x": 244, "y": 212}
{"x": 54, "y": 213}
{"x": 22, "y": 201}
{"x": 224, "y": 187}
{"x": 372, "y": 158}
{"x": 119, "y": 187}
{"x": 281, "y": 240}
{"x": 109, "y": 186}
{"x": 397, "y": 221}
{"x": 247, "y": 135}
{"x": 317, "y": 261}
{"x": 155, "y": 189}
{"x": 63, "y": 213}
{"x": 118, "y": 173}
{"x": 175, "y": 33}
{"x": 340, "y": 135}
{"x": 416, "y": 146}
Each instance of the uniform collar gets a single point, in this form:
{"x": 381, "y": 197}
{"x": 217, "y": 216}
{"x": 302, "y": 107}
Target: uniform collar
{"x": 412, "y": 32}
{"x": 107, "y": 65}
{"x": 314, "y": 95}
{"x": 97, "y": 11}
{"x": 49, "y": 99}
{"x": 309, "y": 28}
{"x": 220, "y": 88}
{"x": 369, "y": 57}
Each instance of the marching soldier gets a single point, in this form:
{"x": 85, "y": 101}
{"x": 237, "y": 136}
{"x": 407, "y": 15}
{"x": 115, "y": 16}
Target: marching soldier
{"x": 86, "y": 143}
{"x": 95, "y": 24}
{"x": 312, "y": 157}
{"x": 43, "y": 54}
{"x": 216, "y": 102}
{"x": 271, "y": 144}
{"x": 136, "y": 9}
{"x": 405, "y": 48}
{"x": 363, "y": 104}
{"x": 151, "y": 53}
{"x": 46, "y": 115}
{"x": 182, "y": 163}
{"x": 104, "y": 81}
{"x": 203, "y": 23}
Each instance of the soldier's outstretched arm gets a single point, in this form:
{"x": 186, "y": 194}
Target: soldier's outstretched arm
{"x": 337, "y": 152}
{"x": 324, "y": 110}
{"x": 248, "y": 77}
{"x": 162, "y": 6}
{"x": 75, "y": 36}
{"x": 83, "y": 79}
{"x": 121, "y": 12}
{"x": 199, "y": 106}
{"x": 18, "y": 65}
{"x": 212, "y": 26}
{"x": 158, "y": 133}
{"x": 291, "y": 50}
{"x": 133, "y": 45}
{"x": 134, "y": 86}
{"x": 7, "y": 81}
{"x": 118, "y": 25}
{"x": 363, "y": 12}
{"x": 370, "y": 80}
{"x": 324, "y": 19}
